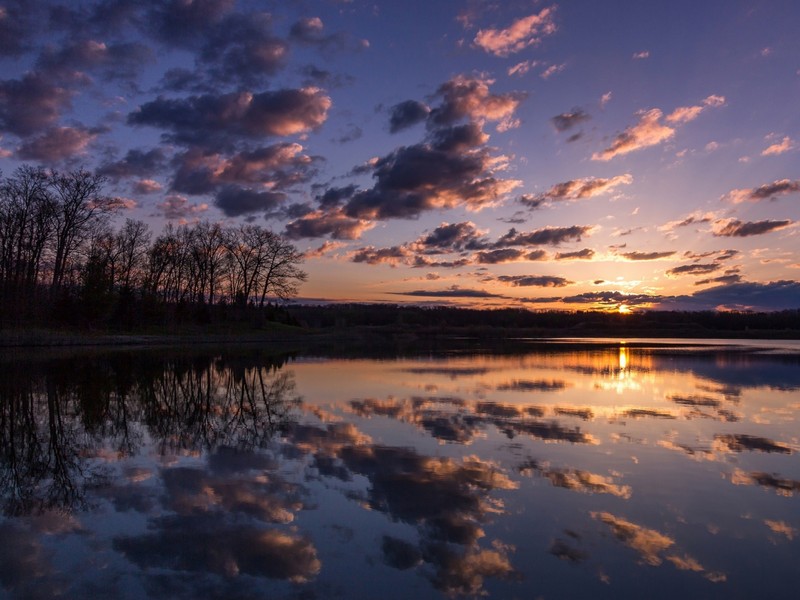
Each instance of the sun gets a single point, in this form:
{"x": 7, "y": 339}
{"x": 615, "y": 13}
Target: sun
{"x": 624, "y": 309}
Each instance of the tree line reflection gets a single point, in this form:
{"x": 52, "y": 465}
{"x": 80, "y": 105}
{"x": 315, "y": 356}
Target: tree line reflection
{"x": 59, "y": 418}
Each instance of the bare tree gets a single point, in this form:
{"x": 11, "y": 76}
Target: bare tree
{"x": 282, "y": 274}
{"x": 79, "y": 208}
{"x": 131, "y": 244}
{"x": 27, "y": 211}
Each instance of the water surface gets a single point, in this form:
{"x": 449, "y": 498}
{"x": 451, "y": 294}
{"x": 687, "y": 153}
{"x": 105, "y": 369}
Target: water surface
{"x": 564, "y": 470}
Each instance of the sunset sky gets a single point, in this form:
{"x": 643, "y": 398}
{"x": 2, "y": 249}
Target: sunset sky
{"x": 547, "y": 155}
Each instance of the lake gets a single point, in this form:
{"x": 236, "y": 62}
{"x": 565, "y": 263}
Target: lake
{"x": 560, "y": 469}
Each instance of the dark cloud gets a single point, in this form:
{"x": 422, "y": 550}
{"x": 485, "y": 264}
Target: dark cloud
{"x": 57, "y": 143}
{"x": 453, "y": 292}
{"x": 453, "y": 237}
{"x": 537, "y": 385}
{"x": 534, "y": 280}
{"x": 278, "y": 167}
{"x": 415, "y": 179}
{"x": 776, "y": 188}
{"x": 320, "y": 77}
{"x": 15, "y": 22}
{"x": 400, "y": 554}
{"x": 737, "y": 228}
{"x": 694, "y": 269}
{"x": 547, "y": 236}
{"x": 740, "y": 442}
{"x": 568, "y": 120}
{"x": 375, "y": 256}
{"x": 122, "y": 60}
{"x": 500, "y": 255}
{"x": 241, "y": 49}
{"x": 137, "y": 163}
{"x": 408, "y": 113}
{"x": 775, "y": 295}
{"x": 311, "y": 31}
{"x": 212, "y": 119}
{"x": 424, "y": 262}
{"x": 318, "y": 224}
{"x": 200, "y": 544}
{"x": 181, "y": 23}
{"x": 235, "y": 201}
{"x": 532, "y": 201}
{"x": 460, "y": 138}
{"x": 31, "y": 104}
{"x": 768, "y": 191}
{"x": 647, "y": 255}
{"x": 585, "y": 254}
{"x": 333, "y": 197}
{"x": 723, "y": 279}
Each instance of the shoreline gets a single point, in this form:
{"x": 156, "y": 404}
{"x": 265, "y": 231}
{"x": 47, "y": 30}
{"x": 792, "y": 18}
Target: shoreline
{"x": 358, "y": 336}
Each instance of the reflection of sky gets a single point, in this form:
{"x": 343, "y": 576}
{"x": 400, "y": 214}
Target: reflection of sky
{"x": 618, "y": 472}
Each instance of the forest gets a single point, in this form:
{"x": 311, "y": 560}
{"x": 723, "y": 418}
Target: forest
{"x": 63, "y": 264}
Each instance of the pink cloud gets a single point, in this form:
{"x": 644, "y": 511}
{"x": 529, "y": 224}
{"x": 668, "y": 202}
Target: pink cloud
{"x": 522, "y": 33}
{"x": 649, "y": 131}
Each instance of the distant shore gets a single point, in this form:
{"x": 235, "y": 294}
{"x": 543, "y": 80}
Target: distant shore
{"x": 357, "y": 336}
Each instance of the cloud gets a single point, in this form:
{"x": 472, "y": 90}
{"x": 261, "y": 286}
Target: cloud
{"x": 585, "y": 254}
{"x": 695, "y": 269}
{"x": 213, "y": 119}
{"x": 780, "y": 148}
{"x": 775, "y": 295}
{"x": 768, "y": 191}
{"x": 122, "y": 60}
{"x": 136, "y": 163}
{"x": 452, "y": 292}
{"x": 521, "y": 34}
{"x": 737, "y": 228}
{"x": 568, "y": 120}
{"x": 335, "y": 196}
{"x": 504, "y": 255}
{"x": 57, "y": 143}
{"x": 181, "y": 23}
{"x": 235, "y": 201}
{"x": 647, "y": 132}
{"x": 523, "y": 67}
{"x": 552, "y": 70}
{"x": 684, "y": 114}
{"x": 408, "y": 113}
{"x": 453, "y": 237}
{"x": 15, "y": 27}
{"x": 535, "y": 280}
{"x": 578, "y": 189}
{"x": 31, "y": 104}
{"x": 147, "y": 186}
{"x": 176, "y": 207}
{"x": 446, "y": 173}
{"x": 469, "y": 97}
{"x": 311, "y": 32}
{"x": 374, "y": 256}
{"x": 723, "y": 279}
{"x": 649, "y": 543}
{"x": 319, "y": 224}
{"x": 647, "y": 255}
{"x": 692, "y": 219}
{"x": 552, "y": 236}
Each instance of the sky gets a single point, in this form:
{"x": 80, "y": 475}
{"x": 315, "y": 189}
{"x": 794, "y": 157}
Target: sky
{"x": 614, "y": 155}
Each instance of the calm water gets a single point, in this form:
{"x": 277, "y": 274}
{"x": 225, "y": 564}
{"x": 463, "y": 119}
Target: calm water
{"x": 564, "y": 471}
